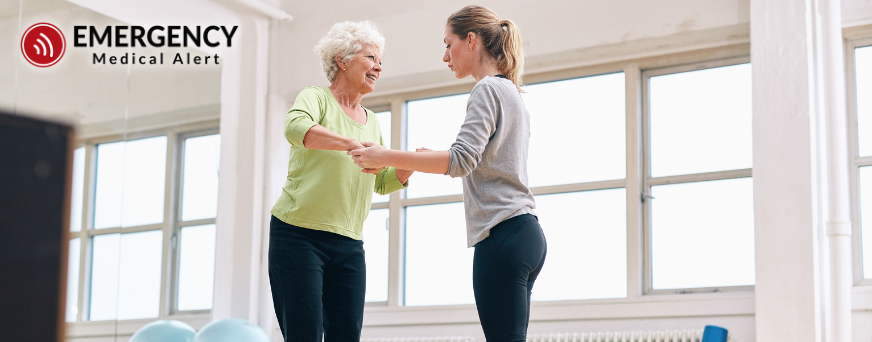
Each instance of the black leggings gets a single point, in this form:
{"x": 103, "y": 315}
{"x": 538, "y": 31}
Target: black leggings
{"x": 318, "y": 283}
{"x": 505, "y": 267}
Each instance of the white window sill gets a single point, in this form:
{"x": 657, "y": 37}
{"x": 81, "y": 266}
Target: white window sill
{"x": 129, "y": 327}
{"x": 684, "y": 305}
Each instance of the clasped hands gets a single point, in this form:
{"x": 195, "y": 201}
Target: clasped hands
{"x": 373, "y": 157}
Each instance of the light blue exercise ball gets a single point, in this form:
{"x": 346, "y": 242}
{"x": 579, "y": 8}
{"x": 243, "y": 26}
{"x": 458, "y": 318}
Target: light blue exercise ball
{"x": 231, "y": 330}
{"x": 164, "y": 331}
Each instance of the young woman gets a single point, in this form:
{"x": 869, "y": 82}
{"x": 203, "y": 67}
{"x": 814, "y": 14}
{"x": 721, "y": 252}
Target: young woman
{"x": 490, "y": 153}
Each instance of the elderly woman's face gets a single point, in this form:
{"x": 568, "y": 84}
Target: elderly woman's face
{"x": 364, "y": 69}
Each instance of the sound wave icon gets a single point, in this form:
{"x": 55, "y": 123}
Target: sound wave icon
{"x": 43, "y": 52}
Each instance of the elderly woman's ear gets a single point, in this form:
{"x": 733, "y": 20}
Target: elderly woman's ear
{"x": 339, "y": 62}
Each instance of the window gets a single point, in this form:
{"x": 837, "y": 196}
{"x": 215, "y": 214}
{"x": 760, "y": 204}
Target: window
{"x": 376, "y": 229}
{"x": 642, "y": 178}
{"x": 384, "y": 121}
{"x": 861, "y": 156}
{"x": 134, "y": 222}
{"x": 376, "y": 235}
{"x": 580, "y": 195}
{"x": 699, "y": 206}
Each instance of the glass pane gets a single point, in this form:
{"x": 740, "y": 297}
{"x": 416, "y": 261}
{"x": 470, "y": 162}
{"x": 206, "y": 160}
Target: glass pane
{"x": 125, "y": 270}
{"x": 73, "y": 280}
{"x": 863, "y": 62}
{"x": 701, "y": 121}
{"x": 77, "y": 190}
{"x": 866, "y": 218}
{"x": 591, "y": 115}
{"x": 384, "y": 122}
{"x": 587, "y": 245}
{"x": 702, "y": 234}
{"x": 375, "y": 242}
{"x": 130, "y": 183}
{"x": 200, "y": 178}
{"x": 434, "y": 124}
{"x": 438, "y": 264}
{"x": 196, "y": 267}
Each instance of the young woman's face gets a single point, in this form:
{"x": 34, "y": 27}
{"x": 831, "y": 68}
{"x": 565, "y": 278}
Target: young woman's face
{"x": 458, "y": 53}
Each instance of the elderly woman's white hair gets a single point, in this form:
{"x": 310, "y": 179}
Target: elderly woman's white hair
{"x": 346, "y": 39}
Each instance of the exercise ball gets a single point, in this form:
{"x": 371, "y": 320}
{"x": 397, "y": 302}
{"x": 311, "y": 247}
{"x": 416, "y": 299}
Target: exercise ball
{"x": 164, "y": 331}
{"x": 231, "y": 330}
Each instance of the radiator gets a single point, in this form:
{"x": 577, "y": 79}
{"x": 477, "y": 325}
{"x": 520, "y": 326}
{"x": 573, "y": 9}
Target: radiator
{"x": 421, "y": 339}
{"x": 622, "y": 336}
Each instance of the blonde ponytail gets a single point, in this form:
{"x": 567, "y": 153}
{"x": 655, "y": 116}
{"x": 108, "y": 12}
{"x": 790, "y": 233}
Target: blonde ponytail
{"x": 500, "y": 37}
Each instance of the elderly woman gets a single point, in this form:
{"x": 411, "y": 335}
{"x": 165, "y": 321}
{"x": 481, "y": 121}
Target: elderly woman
{"x": 316, "y": 258}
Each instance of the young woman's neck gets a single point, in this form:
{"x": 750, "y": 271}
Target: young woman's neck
{"x": 484, "y": 69}
{"x": 343, "y": 92}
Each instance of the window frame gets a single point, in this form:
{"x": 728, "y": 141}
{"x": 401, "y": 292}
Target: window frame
{"x": 855, "y": 160}
{"x": 170, "y": 227}
{"x": 738, "y": 302}
{"x": 177, "y": 224}
{"x": 650, "y": 181}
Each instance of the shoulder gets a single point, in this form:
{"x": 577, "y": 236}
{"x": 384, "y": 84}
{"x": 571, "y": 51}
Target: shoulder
{"x": 494, "y": 86}
{"x": 313, "y": 92}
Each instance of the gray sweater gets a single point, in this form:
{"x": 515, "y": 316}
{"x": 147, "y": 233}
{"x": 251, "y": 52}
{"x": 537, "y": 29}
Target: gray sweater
{"x": 491, "y": 155}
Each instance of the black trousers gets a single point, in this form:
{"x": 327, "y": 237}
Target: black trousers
{"x": 504, "y": 269}
{"x": 318, "y": 283}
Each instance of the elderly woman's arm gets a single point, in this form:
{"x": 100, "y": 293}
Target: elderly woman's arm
{"x": 320, "y": 138}
{"x": 391, "y": 179}
{"x": 302, "y": 128}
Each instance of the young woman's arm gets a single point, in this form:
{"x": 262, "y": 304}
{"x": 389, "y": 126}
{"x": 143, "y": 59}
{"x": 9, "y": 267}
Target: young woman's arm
{"x": 375, "y": 156}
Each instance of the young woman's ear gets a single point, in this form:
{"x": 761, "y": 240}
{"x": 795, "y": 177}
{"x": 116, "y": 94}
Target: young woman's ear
{"x": 471, "y": 37}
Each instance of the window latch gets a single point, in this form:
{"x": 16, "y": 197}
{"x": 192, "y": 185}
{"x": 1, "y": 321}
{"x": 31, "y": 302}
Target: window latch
{"x": 646, "y": 196}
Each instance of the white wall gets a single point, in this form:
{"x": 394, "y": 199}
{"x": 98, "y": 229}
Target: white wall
{"x": 76, "y": 91}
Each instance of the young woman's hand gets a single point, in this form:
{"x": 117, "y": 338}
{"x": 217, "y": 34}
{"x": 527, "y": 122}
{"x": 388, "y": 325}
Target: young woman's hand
{"x": 374, "y": 156}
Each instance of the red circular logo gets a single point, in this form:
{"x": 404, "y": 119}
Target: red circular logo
{"x": 43, "y": 45}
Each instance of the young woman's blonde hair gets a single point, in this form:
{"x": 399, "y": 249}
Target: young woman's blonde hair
{"x": 501, "y": 38}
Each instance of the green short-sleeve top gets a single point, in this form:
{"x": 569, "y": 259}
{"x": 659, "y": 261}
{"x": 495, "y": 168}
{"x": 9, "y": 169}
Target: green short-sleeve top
{"x": 325, "y": 190}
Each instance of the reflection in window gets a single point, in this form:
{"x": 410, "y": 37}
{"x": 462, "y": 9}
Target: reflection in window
{"x": 77, "y": 190}
{"x": 73, "y": 280}
{"x": 438, "y": 264}
{"x": 196, "y": 267}
{"x": 130, "y": 183}
{"x": 434, "y": 124}
{"x": 702, "y": 234}
{"x": 375, "y": 243}
{"x": 866, "y": 218}
{"x": 586, "y": 234}
{"x": 384, "y": 121}
{"x": 125, "y": 276}
{"x": 700, "y": 121}
{"x": 863, "y": 64}
{"x": 577, "y": 130}
{"x": 200, "y": 177}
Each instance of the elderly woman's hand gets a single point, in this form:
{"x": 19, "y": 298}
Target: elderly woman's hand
{"x": 374, "y": 156}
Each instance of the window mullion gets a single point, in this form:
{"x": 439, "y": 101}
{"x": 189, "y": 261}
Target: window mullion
{"x": 396, "y": 275}
{"x": 169, "y": 251}
{"x": 634, "y": 181}
{"x": 699, "y": 177}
